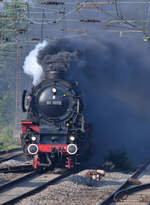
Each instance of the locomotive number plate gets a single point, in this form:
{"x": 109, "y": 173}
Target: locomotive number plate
{"x": 53, "y": 102}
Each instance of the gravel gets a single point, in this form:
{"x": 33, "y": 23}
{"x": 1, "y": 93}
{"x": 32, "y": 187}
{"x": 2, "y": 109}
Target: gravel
{"x": 77, "y": 189}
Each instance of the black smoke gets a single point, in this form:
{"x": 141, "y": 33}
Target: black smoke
{"x": 114, "y": 78}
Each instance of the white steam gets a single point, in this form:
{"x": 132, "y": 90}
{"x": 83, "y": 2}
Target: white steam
{"x": 31, "y": 66}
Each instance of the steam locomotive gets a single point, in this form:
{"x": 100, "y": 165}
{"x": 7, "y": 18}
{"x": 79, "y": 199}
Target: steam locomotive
{"x": 55, "y": 131}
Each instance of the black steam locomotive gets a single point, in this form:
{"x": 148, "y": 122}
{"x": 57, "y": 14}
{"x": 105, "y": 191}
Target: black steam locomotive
{"x": 55, "y": 131}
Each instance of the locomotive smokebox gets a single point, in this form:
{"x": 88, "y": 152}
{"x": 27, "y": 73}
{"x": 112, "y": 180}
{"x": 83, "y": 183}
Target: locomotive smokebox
{"x": 55, "y": 75}
{"x": 55, "y": 66}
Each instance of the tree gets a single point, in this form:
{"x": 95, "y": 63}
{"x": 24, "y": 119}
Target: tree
{"x": 13, "y": 22}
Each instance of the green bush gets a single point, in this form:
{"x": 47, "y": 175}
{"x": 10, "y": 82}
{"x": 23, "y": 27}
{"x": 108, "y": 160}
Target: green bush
{"x": 7, "y": 141}
{"x": 119, "y": 159}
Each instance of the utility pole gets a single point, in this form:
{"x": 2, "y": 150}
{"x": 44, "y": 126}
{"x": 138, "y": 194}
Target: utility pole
{"x": 18, "y": 92}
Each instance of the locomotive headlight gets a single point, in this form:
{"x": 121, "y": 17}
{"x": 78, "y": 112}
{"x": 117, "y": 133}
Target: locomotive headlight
{"x": 72, "y": 138}
{"x": 33, "y": 138}
{"x": 54, "y": 90}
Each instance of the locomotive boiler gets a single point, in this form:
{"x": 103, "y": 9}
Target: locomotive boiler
{"x": 55, "y": 131}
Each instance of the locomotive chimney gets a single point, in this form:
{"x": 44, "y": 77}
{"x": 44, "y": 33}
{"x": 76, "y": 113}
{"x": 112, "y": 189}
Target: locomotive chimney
{"x": 55, "y": 66}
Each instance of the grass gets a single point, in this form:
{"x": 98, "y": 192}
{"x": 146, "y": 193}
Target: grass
{"x": 7, "y": 141}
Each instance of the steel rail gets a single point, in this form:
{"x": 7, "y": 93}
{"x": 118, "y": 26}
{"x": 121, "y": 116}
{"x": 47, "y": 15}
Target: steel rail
{"x": 110, "y": 198}
{"x": 128, "y": 191}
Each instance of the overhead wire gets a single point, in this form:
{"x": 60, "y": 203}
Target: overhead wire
{"x": 72, "y": 8}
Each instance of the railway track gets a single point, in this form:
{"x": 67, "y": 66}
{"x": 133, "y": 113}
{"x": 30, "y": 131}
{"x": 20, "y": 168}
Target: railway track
{"x": 23, "y": 168}
{"x": 27, "y": 185}
{"x": 11, "y": 150}
{"x": 10, "y": 154}
{"x": 131, "y": 186}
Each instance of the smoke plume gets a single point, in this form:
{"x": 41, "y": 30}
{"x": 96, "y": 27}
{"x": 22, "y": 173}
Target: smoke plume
{"x": 31, "y": 66}
{"x": 114, "y": 78}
